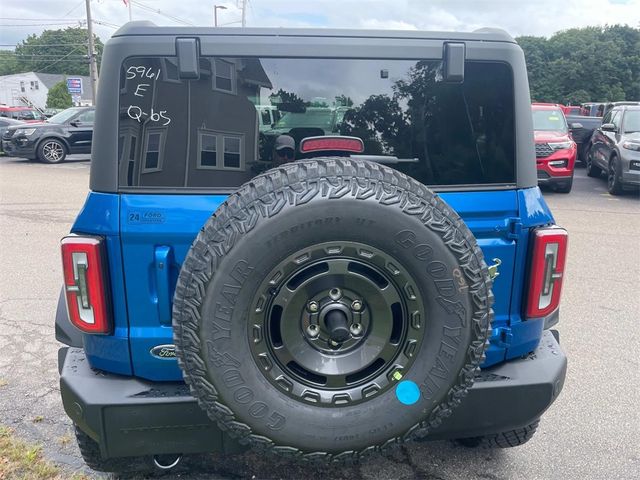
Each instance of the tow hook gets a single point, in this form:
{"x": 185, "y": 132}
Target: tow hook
{"x": 167, "y": 462}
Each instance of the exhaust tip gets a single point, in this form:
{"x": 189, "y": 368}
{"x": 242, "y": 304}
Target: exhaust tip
{"x": 167, "y": 462}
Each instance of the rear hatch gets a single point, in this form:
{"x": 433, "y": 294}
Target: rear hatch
{"x": 189, "y": 135}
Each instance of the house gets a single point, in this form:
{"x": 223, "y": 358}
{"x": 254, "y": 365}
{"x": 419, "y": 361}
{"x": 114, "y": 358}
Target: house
{"x": 216, "y": 113}
{"x": 31, "y": 88}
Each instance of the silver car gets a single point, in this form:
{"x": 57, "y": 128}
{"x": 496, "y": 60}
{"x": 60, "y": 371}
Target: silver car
{"x": 615, "y": 149}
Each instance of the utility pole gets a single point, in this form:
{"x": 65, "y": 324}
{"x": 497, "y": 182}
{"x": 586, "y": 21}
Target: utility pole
{"x": 93, "y": 68}
{"x": 244, "y": 13}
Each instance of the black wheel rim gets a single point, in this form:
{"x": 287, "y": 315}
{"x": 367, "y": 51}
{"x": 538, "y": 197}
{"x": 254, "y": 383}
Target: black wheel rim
{"x": 612, "y": 175}
{"x": 336, "y": 324}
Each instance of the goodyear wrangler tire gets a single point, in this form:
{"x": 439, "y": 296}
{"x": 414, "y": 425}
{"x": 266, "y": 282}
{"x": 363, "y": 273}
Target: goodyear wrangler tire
{"x": 331, "y": 308}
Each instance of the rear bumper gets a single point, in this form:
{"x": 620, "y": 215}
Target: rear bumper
{"x": 130, "y": 417}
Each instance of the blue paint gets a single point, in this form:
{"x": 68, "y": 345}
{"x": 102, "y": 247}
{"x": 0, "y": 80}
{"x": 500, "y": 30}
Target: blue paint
{"x": 144, "y": 230}
{"x": 407, "y": 392}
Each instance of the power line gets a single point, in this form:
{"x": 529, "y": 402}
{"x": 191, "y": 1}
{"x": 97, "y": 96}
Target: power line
{"x": 57, "y": 61}
{"x": 106, "y": 24}
{"x": 41, "y": 19}
{"x": 160, "y": 12}
{"x": 43, "y": 44}
{"x": 54, "y": 55}
{"x": 63, "y": 60}
{"x": 39, "y": 24}
{"x": 72, "y": 9}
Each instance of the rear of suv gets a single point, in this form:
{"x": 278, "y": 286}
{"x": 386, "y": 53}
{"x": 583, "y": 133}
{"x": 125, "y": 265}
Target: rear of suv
{"x": 324, "y": 292}
{"x": 615, "y": 149}
{"x": 555, "y": 149}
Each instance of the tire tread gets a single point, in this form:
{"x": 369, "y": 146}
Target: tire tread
{"x": 295, "y": 184}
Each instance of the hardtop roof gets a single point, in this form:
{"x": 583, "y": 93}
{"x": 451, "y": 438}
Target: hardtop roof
{"x": 148, "y": 28}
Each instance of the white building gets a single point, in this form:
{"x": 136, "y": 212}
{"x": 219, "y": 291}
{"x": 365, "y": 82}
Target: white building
{"x": 31, "y": 88}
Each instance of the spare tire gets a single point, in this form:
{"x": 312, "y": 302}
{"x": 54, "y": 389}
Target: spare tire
{"x": 331, "y": 308}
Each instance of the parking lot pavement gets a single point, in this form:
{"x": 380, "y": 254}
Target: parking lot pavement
{"x": 590, "y": 433}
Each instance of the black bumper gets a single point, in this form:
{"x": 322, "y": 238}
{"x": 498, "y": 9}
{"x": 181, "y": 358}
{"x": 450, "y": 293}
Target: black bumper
{"x": 545, "y": 179}
{"x": 28, "y": 150}
{"x": 130, "y": 417}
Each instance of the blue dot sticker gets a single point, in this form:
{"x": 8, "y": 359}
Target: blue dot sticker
{"x": 407, "y": 392}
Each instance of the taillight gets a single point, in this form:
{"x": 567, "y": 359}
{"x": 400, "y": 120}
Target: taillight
{"x": 549, "y": 253}
{"x": 85, "y": 284}
{"x": 332, "y": 143}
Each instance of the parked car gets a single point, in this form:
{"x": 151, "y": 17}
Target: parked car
{"x": 571, "y": 110}
{"x": 334, "y": 307}
{"x": 50, "y": 112}
{"x": 615, "y": 149}
{"x": 581, "y": 129}
{"x": 592, "y": 109}
{"x": 555, "y": 149}
{"x": 67, "y": 132}
{"x": 26, "y": 114}
{"x": 611, "y": 105}
{"x": 6, "y": 123}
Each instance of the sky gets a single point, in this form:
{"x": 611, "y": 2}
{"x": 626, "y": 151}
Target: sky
{"x": 18, "y": 19}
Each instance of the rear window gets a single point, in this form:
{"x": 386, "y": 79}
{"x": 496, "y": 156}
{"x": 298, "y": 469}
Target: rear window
{"x": 548, "y": 120}
{"x": 219, "y": 130}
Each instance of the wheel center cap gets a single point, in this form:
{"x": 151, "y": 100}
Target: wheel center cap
{"x": 338, "y": 325}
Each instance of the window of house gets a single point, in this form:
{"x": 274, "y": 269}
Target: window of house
{"x": 224, "y": 73}
{"x": 219, "y": 151}
{"x": 36, "y": 85}
{"x": 208, "y": 151}
{"x": 231, "y": 152}
{"x": 266, "y": 117}
{"x": 153, "y": 152}
{"x": 22, "y": 89}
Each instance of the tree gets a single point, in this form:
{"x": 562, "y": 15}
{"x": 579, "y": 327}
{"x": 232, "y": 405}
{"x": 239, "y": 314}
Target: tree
{"x": 59, "y": 97}
{"x": 288, "y": 101}
{"x": 8, "y": 63}
{"x": 53, "y": 51}
{"x": 584, "y": 64}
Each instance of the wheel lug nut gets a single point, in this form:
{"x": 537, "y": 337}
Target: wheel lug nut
{"x": 356, "y": 329}
{"x": 335, "y": 294}
{"x": 313, "y": 330}
{"x": 313, "y": 306}
{"x": 356, "y": 305}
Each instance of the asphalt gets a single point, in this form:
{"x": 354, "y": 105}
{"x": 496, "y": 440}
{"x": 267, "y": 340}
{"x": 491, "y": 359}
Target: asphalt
{"x": 591, "y": 432}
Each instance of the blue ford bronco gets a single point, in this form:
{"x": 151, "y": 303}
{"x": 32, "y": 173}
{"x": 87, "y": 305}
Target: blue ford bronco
{"x": 377, "y": 266}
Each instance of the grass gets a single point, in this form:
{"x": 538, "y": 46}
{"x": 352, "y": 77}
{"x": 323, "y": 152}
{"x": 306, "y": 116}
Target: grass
{"x": 20, "y": 460}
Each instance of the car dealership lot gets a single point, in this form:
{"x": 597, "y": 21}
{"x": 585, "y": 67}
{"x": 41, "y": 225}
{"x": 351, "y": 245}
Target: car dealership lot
{"x": 590, "y": 432}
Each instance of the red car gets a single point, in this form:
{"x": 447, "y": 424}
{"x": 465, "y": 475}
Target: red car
{"x": 555, "y": 149}
{"x": 571, "y": 109}
{"x": 26, "y": 114}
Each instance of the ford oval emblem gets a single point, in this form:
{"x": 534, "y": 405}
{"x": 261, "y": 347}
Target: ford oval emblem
{"x": 164, "y": 351}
